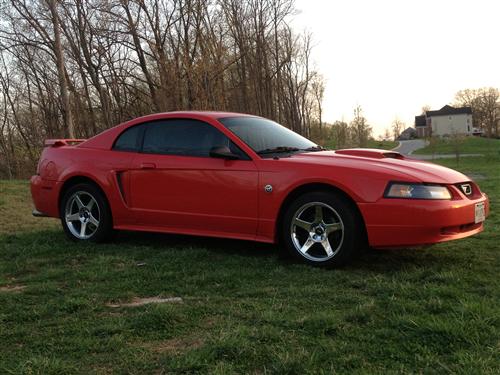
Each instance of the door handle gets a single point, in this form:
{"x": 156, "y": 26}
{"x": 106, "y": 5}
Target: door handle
{"x": 148, "y": 166}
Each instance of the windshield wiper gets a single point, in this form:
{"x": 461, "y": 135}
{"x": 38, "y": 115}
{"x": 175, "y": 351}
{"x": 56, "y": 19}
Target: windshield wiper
{"x": 277, "y": 150}
{"x": 314, "y": 148}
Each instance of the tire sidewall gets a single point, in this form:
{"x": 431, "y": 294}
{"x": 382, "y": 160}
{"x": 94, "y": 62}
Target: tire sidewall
{"x": 105, "y": 221}
{"x": 353, "y": 231}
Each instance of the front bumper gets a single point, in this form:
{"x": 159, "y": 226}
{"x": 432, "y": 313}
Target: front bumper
{"x": 407, "y": 222}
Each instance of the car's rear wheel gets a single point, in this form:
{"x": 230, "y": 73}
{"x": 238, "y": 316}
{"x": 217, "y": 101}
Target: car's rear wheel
{"x": 322, "y": 229}
{"x": 85, "y": 213}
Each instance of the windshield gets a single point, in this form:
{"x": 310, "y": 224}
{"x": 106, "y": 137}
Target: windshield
{"x": 266, "y": 136}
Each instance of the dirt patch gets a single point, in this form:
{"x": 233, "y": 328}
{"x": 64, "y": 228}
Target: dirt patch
{"x": 174, "y": 346}
{"x": 146, "y": 301}
{"x": 12, "y": 288}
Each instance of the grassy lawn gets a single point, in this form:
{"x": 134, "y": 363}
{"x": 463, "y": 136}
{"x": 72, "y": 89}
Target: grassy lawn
{"x": 386, "y": 145}
{"x": 244, "y": 309}
{"x": 471, "y": 145}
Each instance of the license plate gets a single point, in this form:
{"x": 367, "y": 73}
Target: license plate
{"x": 479, "y": 215}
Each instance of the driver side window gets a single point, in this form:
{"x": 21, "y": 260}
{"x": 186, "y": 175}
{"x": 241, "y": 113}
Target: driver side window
{"x": 184, "y": 137}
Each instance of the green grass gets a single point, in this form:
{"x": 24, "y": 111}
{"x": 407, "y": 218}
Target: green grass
{"x": 471, "y": 145}
{"x": 245, "y": 309}
{"x": 386, "y": 145}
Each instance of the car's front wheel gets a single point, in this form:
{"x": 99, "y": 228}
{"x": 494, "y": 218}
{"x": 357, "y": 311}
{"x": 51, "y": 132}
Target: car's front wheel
{"x": 323, "y": 229}
{"x": 85, "y": 213}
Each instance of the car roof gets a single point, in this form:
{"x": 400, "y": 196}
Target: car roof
{"x": 210, "y": 114}
{"x": 105, "y": 139}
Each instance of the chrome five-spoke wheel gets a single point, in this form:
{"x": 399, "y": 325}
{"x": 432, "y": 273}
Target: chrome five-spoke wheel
{"x": 85, "y": 213}
{"x": 322, "y": 228}
{"x": 317, "y": 231}
{"x": 82, "y": 215}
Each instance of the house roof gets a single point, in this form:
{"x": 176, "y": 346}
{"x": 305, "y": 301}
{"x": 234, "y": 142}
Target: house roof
{"x": 420, "y": 121}
{"x": 449, "y": 110}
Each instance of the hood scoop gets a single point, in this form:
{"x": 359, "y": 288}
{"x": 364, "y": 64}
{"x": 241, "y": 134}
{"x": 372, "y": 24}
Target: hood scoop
{"x": 373, "y": 153}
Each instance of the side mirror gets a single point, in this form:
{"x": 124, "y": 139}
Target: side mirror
{"x": 223, "y": 152}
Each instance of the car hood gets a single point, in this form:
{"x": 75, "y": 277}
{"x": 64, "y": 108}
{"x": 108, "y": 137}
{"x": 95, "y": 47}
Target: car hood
{"x": 389, "y": 162}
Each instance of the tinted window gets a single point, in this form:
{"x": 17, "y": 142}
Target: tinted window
{"x": 261, "y": 134}
{"x": 183, "y": 137}
{"x": 129, "y": 140}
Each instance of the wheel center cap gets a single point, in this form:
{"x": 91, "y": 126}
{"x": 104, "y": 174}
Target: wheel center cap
{"x": 318, "y": 233}
{"x": 84, "y": 214}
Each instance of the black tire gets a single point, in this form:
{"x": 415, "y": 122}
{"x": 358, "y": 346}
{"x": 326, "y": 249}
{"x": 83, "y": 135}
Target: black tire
{"x": 340, "y": 224}
{"x": 99, "y": 213}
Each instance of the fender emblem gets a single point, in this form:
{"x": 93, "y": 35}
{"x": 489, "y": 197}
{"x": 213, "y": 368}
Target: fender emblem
{"x": 268, "y": 188}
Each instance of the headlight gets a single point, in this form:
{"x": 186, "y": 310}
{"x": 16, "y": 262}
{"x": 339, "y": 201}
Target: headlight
{"x": 416, "y": 191}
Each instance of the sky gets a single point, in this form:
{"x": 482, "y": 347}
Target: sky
{"x": 392, "y": 57}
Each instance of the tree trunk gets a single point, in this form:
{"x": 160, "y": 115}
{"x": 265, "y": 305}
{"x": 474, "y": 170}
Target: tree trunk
{"x": 63, "y": 85}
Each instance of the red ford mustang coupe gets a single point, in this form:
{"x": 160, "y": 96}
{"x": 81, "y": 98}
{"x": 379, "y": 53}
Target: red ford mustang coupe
{"x": 240, "y": 176}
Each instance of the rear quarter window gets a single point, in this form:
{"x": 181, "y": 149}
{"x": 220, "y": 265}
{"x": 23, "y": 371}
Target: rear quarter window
{"x": 129, "y": 140}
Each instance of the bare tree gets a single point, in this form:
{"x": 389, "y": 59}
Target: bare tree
{"x": 61, "y": 68}
{"x": 397, "y": 127}
{"x": 360, "y": 129}
{"x": 318, "y": 88}
{"x": 457, "y": 140}
{"x": 387, "y": 134}
{"x": 484, "y": 104}
{"x": 75, "y": 67}
{"x": 425, "y": 109}
{"x": 340, "y": 134}
{"x": 34, "y": 33}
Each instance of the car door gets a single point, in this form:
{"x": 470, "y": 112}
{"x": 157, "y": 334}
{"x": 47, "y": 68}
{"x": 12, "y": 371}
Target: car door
{"x": 176, "y": 185}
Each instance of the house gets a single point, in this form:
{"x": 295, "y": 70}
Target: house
{"x": 445, "y": 121}
{"x": 423, "y": 131}
{"x": 408, "y": 133}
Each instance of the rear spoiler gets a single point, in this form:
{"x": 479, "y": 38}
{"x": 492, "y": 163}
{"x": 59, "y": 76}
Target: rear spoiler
{"x": 62, "y": 142}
